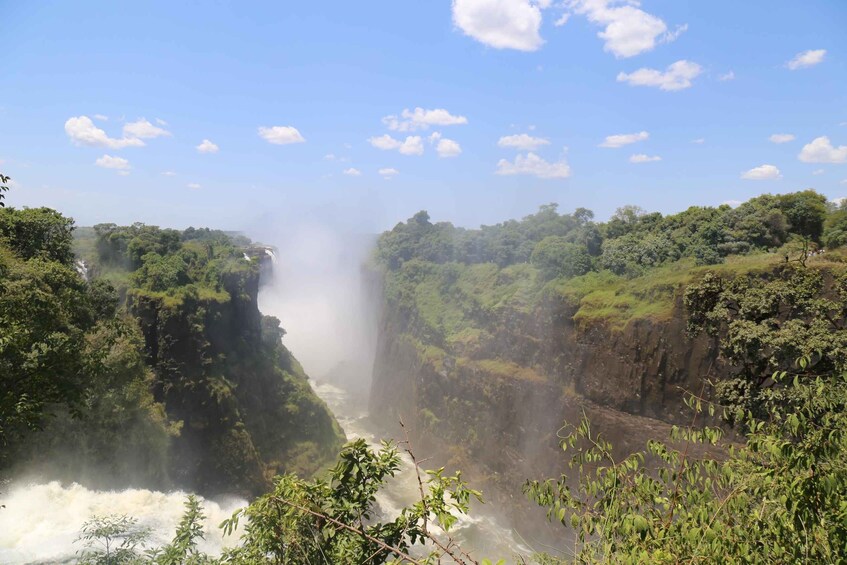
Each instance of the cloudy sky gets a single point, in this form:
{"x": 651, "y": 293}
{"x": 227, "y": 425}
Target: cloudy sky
{"x": 233, "y": 114}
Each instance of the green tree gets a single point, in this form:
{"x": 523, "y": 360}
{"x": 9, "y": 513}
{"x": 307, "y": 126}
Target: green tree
{"x": 4, "y": 187}
{"x": 556, "y": 257}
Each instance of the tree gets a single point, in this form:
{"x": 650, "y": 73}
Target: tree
{"x": 4, "y": 187}
{"x": 555, "y": 257}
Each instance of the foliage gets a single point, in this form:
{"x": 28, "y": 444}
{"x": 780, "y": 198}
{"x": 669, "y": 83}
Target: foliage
{"x": 556, "y": 257}
{"x": 779, "y": 497}
{"x": 4, "y": 187}
{"x": 766, "y": 321}
{"x": 37, "y": 233}
{"x": 111, "y": 540}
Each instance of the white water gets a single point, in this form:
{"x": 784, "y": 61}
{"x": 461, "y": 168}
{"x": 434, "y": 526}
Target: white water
{"x": 480, "y": 533}
{"x": 40, "y": 522}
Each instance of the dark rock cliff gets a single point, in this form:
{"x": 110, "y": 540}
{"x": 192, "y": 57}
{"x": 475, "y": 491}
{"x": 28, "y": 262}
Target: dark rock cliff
{"x": 245, "y": 405}
{"x": 495, "y": 408}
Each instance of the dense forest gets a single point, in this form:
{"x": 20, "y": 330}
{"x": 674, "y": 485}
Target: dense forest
{"x": 154, "y": 369}
{"x": 137, "y": 355}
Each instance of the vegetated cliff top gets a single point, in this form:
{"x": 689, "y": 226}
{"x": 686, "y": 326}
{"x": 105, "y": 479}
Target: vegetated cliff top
{"x": 609, "y": 273}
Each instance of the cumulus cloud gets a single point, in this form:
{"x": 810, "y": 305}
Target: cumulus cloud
{"x": 806, "y": 59}
{"x": 502, "y": 24}
{"x": 388, "y": 172}
{"x": 532, "y": 164}
{"x": 615, "y": 141}
{"x": 419, "y": 118}
{"x": 110, "y": 162}
{"x": 351, "y": 172}
{"x": 193, "y": 185}
{"x": 82, "y": 131}
{"x": 329, "y": 157}
{"x": 522, "y": 142}
{"x": 821, "y": 150}
{"x": 142, "y": 129}
{"x": 412, "y": 145}
{"x": 628, "y": 30}
{"x": 677, "y": 76}
{"x": 642, "y": 158}
{"x": 818, "y": 172}
{"x": 727, "y": 76}
{"x": 207, "y": 146}
{"x": 448, "y": 148}
{"x": 699, "y": 140}
{"x": 281, "y": 135}
{"x": 161, "y": 122}
{"x": 563, "y": 19}
{"x": 781, "y": 138}
{"x": 101, "y": 117}
{"x": 763, "y": 172}
{"x": 168, "y": 174}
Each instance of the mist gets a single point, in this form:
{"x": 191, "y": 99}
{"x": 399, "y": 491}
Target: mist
{"x": 318, "y": 292}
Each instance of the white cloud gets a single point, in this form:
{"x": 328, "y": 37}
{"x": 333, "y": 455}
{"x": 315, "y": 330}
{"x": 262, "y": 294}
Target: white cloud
{"x": 562, "y": 20}
{"x": 522, "y": 142}
{"x": 677, "y": 76}
{"x": 388, "y": 172}
{"x": 821, "y": 150}
{"x": 448, "y": 148}
{"x": 781, "y": 138}
{"x": 123, "y": 173}
{"x": 818, "y": 172}
{"x": 169, "y": 174}
{"x": 413, "y": 145}
{"x": 193, "y": 185}
{"x": 844, "y": 181}
{"x": 281, "y": 135}
{"x": 642, "y": 158}
{"x": 805, "y": 59}
{"x": 110, "y": 162}
{"x": 628, "y": 30}
{"x": 101, "y": 117}
{"x": 699, "y": 140}
{"x": 419, "y": 118}
{"x": 329, "y": 157}
{"x": 82, "y": 131}
{"x": 614, "y": 141}
{"x": 502, "y": 24}
{"x": 207, "y": 147}
{"x": 142, "y": 129}
{"x": 727, "y": 76}
{"x": 763, "y": 172}
{"x": 351, "y": 172}
{"x": 161, "y": 122}
{"x": 532, "y": 164}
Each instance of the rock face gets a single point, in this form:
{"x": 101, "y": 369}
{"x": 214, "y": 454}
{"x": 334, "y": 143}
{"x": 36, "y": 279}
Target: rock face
{"x": 245, "y": 404}
{"x": 498, "y": 405}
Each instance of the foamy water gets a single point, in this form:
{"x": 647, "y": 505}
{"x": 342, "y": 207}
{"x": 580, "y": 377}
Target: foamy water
{"x": 40, "y": 522}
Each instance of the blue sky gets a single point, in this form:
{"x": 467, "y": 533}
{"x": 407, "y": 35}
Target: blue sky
{"x": 99, "y": 99}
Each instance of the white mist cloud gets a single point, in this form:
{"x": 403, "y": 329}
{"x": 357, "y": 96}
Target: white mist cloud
{"x": 388, "y": 172}
{"x": 806, "y": 59}
{"x": 619, "y": 140}
{"x": 727, "y": 76}
{"x": 628, "y": 30}
{"x": 781, "y": 138}
{"x": 412, "y": 145}
{"x": 143, "y": 129}
{"x": 82, "y": 131}
{"x": 821, "y": 150}
{"x": 207, "y": 146}
{"x": 501, "y": 24}
{"x": 532, "y": 164}
{"x": 193, "y": 185}
{"x": 642, "y": 158}
{"x": 352, "y": 172}
{"x": 448, "y": 148}
{"x": 419, "y": 118}
{"x": 522, "y": 142}
{"x": 110, "y": 162}
{"x": 677, "y": 76}
{"x": 281, "y": 135}
{"x": 762, "y": 172}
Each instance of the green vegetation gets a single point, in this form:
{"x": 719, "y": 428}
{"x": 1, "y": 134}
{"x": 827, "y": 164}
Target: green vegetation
{"x": 158, "y": 370}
